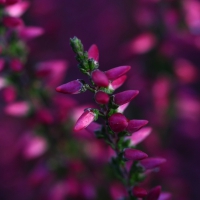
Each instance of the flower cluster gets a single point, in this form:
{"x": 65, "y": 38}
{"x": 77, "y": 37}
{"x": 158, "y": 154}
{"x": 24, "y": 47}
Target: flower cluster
{"x": 117, "y": 128}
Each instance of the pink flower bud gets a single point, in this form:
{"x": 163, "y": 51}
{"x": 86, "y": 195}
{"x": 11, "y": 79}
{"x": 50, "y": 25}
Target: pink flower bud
{"x": 30, "y": 32}
{"x": 118, "y": 82}
{"x": 154, "y": 193}
{"x": 93, "y": 52}
{"x": 116, "y": 72}
{"x": 2, "y": 64}
{"x": 84, "y": 120}
{"x": 16, "y": 65}
{"x": 150, "y": 163}
{"x": 93, "y": 127}
{"x": 12, "y": 22}
{"x": 72, "y": 87}
{"x": 165, "y": 196}
{"x": 18, "y": 109}
{"x": 101, "y": 97}
{"x": 134, "y": 154}
{"x": 9, "y": 94}
{"x": 18, "y": 9}
{"x": 139, "y": 192}
{"x": 125, "y": 97}
{"x": 99, "y": 78}
{"x": 140, "y": 135}
{"x": 117, "y": 122}
{"x": 135, "y": 125}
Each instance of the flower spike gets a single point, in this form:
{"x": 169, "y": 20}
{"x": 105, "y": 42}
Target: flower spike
{"x": 73, "y": 87}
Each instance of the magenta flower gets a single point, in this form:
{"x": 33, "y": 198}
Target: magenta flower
{"x": 12, "y": 22}
{"x": 154, "y": 193}
{"x": 116, "y": 72}
{"x": 139, "y": 192}
{"x": 150, "y": 163}
{"x": 27, "y": 33}
{"x": 117, "y": 122}
{"x": 84, "y": 120}
{"x": 16, "y": 65}
{"x": 93, "y": 52}
{"x": 118, "y": 82}
{"x": 99, "y": 78}
{"x": 124, "y": 97}
{"x": 134, "y": 154}
{"x": 17, "y": 109}
{"x": 140, "y": 135}
{"x": 72, "y": 87}
{"x": 135, "y": 125}
{"x": 17, "y": 9}
{"x": 101, "y": 97}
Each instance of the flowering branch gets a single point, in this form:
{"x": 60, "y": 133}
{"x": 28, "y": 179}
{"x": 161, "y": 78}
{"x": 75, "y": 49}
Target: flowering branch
{"x": 116, "y": 126}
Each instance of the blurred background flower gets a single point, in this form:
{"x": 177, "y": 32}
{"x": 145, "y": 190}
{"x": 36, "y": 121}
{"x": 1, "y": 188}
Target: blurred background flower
{"x": 41, "y": 157}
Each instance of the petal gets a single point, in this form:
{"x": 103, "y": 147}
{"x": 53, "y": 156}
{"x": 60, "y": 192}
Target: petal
{"x": 93, "y": 52}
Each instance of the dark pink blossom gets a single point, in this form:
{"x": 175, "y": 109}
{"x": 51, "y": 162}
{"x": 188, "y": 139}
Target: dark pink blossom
{"x": 17, "y": 9}
{"x": 150, "y": 163}
{"x": 117, "y": 122}
{"x": 139, "y": 192}
{"x": 140, "y": 135}
{"x": 27, "y": 33}
{"x": 124, "y": 97}
{"x": 118, "y": 82}
{"x": 16, "y": 65}
{"x": 84, "y": 120}
{"x": 99, "y": 78}
{"x": 154, "y": 193}
{"x": 116, "y": 72}
{"x": 12, "y": 22}
{"x": 134, "y": 154}
{"x": 101, "y": 97}
{"x": 93, "y": 52}
{"x": 135, "y": 125}
{"x": 11, "y": 2}
{"x": 72, "y": 87}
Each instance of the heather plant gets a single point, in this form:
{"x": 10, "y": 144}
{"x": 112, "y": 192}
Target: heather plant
{"x": 116, "y": 130}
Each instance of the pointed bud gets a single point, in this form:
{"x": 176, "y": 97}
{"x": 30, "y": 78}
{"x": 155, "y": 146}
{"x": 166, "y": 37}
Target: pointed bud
{"x": 140, "y": 135}
{"x": 124, "y": 97}
{"x": 17, "y": 9}
{"x": 30, "y": 32}
{"x": 93, "y": 52}
{"x": 118, "y": 82}
{"x": 93, "y": 127}
{"x": 139, "y": 192}
{"x": 116, "y": 72}
{"x": 154, "y": 193}
{"x": 117, "y": 122}
{"x": 101, "y": 97}
{"x": 17, "y": 109}
{"x": 134, "y": 125}
{"x": 16, "y": 65}
{"x": 99, "y": 78}
{"x": 165, "y": 196}
{"x": 72, "y": 87}
{"x": 134, "y": 154}
{"x": 150, "y": 163}
{"x": 84, "y": 120}
{"x": 12, "y": 22}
